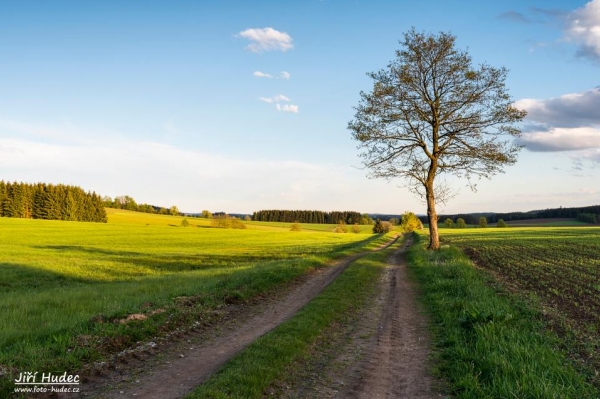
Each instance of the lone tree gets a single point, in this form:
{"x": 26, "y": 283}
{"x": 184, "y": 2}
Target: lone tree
{"x": 431, "y": 112}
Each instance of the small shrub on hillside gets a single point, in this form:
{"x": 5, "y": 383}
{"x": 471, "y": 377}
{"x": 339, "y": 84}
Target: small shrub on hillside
{"x": 501, "y": 223}
{"x": 482, "y": 222}
{"x": 410, "y": 222}
{"x": 355, "y": 228}
{"x": 377, "y": 227}
{"x": 296, "y": 227}
{"x": 227, "y": 222}
{"x": 341, "y": 228}
{"x": 237, "y": 224}
{"x": 184, "y": 223}
{"x": 381, "y": 227}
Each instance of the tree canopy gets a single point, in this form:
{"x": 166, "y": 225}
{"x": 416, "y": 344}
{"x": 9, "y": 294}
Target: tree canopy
{"x": 432, "y": 112}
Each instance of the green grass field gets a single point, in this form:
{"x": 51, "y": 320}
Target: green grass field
{"x": 560, "y": 266}
{"x": 66, "y": 285}
{"x": 119, "y": 216}
{"x": 525, "y": 319}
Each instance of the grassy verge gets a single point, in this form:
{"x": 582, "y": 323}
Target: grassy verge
{"x": 270, "y": 357}
{"x": 488, "y": 344}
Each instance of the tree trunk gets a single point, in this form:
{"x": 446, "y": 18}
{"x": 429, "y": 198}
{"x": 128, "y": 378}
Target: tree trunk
{"x": 434, "y": 238}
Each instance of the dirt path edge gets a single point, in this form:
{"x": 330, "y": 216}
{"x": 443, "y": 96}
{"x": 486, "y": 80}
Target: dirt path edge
{"x": 179, "y": 375}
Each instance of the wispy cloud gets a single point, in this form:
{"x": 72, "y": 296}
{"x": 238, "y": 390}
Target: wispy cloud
{"x": 515, "y": 16}
{"x": 550, "y": 12}
{"x": 260, "y": 74}
{"x": 282, "y": 75}
{"x": 287, "y": 108}
{"x": 275, "y": 99}
{"x": 583, "y": 27}
{"x": 267, "y": 39}
{"x": 113, "y": 167}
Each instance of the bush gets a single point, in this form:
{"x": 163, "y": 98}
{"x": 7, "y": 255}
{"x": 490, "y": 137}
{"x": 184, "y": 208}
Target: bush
{"x": 410, "y": 222}
{"x": 355, "y": 228}
{"x": 501, "y": 223}
{"x": 381, "y": 227}
{"x": 460, "y": 223}
{"x": 184, "y": 223}
{"x": 341, "y": 228}
{"x": 227, "y": 222}
{"x": 296, "y": 227}
{"x": 482, "y": 221}
{"x": 377, "y": 227}
{"x": 449, "y": 223}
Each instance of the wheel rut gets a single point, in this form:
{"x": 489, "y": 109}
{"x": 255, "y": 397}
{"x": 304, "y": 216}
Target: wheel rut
{"x": 395, "y": 363}
{"x": 180, "y": 375}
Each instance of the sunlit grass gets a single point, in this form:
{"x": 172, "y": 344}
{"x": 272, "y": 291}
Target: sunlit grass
{"x": 59, "y": 277}
{"x": 489, "y": 344}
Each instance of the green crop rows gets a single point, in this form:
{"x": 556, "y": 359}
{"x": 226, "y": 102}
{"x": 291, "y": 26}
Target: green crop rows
{"x": 559, "y": 266}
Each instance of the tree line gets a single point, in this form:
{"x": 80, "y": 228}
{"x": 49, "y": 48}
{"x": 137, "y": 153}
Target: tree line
{"x": 128, "y": 203}
{"x": 473, "y": 218}
{"x": 320, "y": 217}
{"x": 49, "y": 201}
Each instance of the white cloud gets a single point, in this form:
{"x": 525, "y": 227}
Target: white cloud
{"x": 284, "y": 75}
{"x": 569, "y": 110}
{"x": 287, "y": 108}
{"x": 275, "y": 99}
{"x": 562, "y": 139}
{"x": 267, "y": 39}
{"x": 260, "y": 74}
{"x": 281, "y": 97}
{"x": 567, "y": 123}
{"x": 583, "y": 27}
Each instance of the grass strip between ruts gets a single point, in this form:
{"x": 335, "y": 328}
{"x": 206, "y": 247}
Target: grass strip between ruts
{"x": 252, "y": 371}
{"x": 488, "y": 345}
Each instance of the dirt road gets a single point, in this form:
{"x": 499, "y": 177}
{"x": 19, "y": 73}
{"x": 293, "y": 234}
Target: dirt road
{"x": 179, "y": 374}
{"x": 380, "y": 353}
{"x": 395, "y": 361}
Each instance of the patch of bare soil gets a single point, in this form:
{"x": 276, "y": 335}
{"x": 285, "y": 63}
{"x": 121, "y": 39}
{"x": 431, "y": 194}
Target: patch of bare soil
{"x": 175, "y": 369}
{"x": 383, "y": 353}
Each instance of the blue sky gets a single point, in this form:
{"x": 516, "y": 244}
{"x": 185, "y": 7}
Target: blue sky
{"x": 238, "y": 106}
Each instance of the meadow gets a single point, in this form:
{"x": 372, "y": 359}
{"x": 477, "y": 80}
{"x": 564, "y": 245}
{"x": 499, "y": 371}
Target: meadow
{"x": 68, "y": 287}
